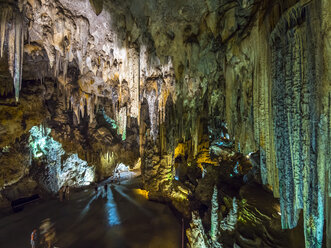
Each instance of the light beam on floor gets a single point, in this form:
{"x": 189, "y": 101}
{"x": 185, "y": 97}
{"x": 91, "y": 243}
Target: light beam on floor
{"x": 111, "y": 208}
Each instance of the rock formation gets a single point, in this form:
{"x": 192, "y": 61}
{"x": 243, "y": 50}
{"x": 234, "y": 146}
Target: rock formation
{"x": 231, "y": 93}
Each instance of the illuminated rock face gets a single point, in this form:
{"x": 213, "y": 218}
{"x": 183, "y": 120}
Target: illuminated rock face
{"x": 219, "y": 76}
{"x": 195, "y": 234}
{"x": 300, "y": 124}
{"x": 53, "y": 169}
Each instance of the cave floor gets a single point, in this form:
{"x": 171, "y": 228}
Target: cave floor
{"x": 123, "y": 218}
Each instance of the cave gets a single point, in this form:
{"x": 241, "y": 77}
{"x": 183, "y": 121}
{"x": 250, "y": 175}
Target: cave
{"x": 165, "y": 123}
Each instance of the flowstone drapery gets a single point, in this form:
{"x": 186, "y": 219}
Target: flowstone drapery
{"x": 300, "y": 126}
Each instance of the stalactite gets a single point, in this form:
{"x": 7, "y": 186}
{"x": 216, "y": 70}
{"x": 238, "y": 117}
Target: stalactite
{"x": 57, "y": 63}
{"x": 262, "y": 108}
{"x": 195, "y": 133}
{"x": 11, "y": 50}
{"x": 22, "y": 38}
{"x": 134, "y": 81}
{"x": 18, "y": 55}
{"x": 30, "y": 157}
{"x": 289, "y": 215}
{"x": 300, "y": 135}
{"x": 67, "y": 98}
{"x": 263, "y": 167}
{"x": 65, "y": 65}
{"x": 326, "y": 109}
{"x": 122, "y": 122}
{"x": 15, "y": 41}
{"x": 82, "y": 106}
{"x": 90, "y": 108}
{"x": 75, "y": 109}
{"x": 3, "y": 23}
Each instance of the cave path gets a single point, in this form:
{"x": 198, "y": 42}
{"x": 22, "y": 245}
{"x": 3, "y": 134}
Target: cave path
{"x": 119, "y": 219}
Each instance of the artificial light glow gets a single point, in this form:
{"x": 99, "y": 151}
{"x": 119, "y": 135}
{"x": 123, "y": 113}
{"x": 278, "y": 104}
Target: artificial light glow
{"x": 235, "y": 169}
{"x": 38, "y": 154}
{"x": 249, "y": 155}
{"x": 5, "y": 149}
{"x": 120, "y": 191}
{"x": 141, "y": 192}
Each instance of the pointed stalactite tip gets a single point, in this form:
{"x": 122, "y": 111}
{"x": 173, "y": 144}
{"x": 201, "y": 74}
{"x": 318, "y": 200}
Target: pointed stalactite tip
{"x": 97, "y": 6}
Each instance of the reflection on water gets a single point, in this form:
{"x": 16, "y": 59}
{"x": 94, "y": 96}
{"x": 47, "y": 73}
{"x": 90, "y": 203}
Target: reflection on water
{"x": 96, "y": 219}
{"x": 111, "y": 208}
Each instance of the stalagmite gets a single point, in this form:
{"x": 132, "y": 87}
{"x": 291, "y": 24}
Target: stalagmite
{"x": 230, "y": 221}
{"x": 196, "y": 233}
{"x": 214, "y": 215}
